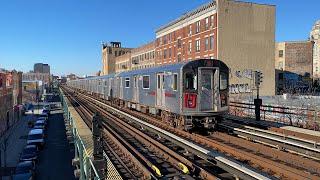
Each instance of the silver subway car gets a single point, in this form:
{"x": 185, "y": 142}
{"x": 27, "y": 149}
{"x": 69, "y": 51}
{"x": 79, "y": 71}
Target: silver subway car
{"x": 185, "y": 95}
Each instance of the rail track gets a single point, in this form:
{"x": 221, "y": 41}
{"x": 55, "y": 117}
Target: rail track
{"x": 305, "y": 147}
{"x": 164, "y": 162}
{"x": 257, "y": 160}
{"x": 128, "y": 166}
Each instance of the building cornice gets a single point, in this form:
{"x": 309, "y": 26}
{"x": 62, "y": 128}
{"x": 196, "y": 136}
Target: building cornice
{"x": 186, "y": 17}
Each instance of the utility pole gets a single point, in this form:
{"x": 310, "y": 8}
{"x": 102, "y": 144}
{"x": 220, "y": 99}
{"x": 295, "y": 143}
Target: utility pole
{"x": 258, "y": 76}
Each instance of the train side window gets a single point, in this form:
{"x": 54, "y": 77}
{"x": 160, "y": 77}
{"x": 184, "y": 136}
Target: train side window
{"x": 158, "y": 76}
{"x": 175, "y": 82}
{"x": 146, "y": 82}
{"x": 223, "y": 80}
{"x": 190, "y": 81}
{"x": 127, "y": 82}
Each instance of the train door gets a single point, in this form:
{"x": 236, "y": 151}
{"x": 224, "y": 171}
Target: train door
{"x": 160, "y": 90}
{"x": 121, "y": 87}
{"x": 136, "y": 89}
{"x": 110, "y": 90}
{"x": 207, "y": 89}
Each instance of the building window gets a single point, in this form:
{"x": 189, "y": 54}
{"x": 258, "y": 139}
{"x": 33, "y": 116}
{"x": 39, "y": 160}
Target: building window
{"x": 211, "y": 20}
{"x": 207, "y": 23}
{"x": 127, "y": 82}
{"x": 164, "y": 39}
{"x": 211, "y": 42}
{"x": 146, "y": 82}
{"x": 175, "y": 82}
{"x": 179, "y": 57}
{"x": 190, "y": 47}
{"x": 164, "y": 54}
{"x": 179, "y": 43}
{"x": 281, "y": 53}
{"x": 190, "y": 30}
{"x": 169, "y": 52}
{"x": 198, "y": 45}
{"x": 197, "y": 26}
{"x": 206, "y": 44}
{"x": 281, "y": 65}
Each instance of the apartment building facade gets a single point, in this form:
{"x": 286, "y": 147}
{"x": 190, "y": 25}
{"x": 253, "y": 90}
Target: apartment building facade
{"x": 10, "y": 98}
{"x": 241, "y": 34}
{"x": 123, "y": 62}
{"x": 143, "y": 56}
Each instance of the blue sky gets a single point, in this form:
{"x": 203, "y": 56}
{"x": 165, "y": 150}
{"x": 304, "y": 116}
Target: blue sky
{"x": 67, "y": 33}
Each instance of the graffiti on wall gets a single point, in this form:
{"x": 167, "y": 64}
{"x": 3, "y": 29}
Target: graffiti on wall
{"x": 245, "y": 87}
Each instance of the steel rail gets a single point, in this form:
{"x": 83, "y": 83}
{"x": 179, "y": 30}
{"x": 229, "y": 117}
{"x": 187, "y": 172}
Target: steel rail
{"x": 290, "y": 143}
{"x": 88, "y": 113}
{"x": 121, "y": 125}
{"x": 237, "y": 168}
{"x": 177, "y": 160}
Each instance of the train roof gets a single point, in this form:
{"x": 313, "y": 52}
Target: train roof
{"x": 168, "y": 67}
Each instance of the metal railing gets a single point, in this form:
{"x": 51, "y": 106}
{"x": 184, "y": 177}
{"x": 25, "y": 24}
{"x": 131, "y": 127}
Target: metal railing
{"x": 296, "y": 116}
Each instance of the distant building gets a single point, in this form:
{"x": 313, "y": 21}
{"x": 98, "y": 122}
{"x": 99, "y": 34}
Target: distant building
{"x": 71, "y": 77}
{"x": 41, "y": 68}
{"x": 315, "y": 37}
{"x": 294, "y": 65}
{"x": 295, "y": 57}
{"x": 44, "y": 77}
{"x": 109, "y": 53}
{"x": 143, "y": 56}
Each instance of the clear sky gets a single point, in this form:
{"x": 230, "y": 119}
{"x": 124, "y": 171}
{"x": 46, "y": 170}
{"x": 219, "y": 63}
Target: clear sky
{"x": 67, "y": 34}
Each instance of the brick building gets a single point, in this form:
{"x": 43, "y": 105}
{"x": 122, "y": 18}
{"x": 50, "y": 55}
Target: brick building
{"x": 239, "y": 33}
{"x": 109, "y": 53}
{"x": 295, "y": 57}
{"x": 143, "y": 56}
{"x": 123, "y": 62}
{"x": 10, "y": 98}
{"x": 294, "y": 65}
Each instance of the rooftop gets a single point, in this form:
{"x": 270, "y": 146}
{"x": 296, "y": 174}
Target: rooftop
{"x": 188, "y": 14}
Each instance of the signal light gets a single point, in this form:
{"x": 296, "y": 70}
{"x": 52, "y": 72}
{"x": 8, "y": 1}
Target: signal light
{"x": 258, "y": 76}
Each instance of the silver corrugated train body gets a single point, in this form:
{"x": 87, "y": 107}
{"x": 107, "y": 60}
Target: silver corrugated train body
{"x": 186, "y": 95}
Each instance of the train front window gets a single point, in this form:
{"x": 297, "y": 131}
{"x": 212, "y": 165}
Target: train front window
{"x": 223, "y": 81}
{"x": 190, "y": 81}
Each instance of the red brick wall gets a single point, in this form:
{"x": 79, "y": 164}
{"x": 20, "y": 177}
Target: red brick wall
{"x": 298, "y": 57}
{"x": 185, "y": 38}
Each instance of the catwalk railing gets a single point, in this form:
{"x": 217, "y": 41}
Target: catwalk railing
{"x": 296, "y": 116}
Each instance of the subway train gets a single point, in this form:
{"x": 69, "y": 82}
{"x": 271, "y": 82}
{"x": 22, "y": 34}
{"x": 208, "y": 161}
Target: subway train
{"x": 185, "y": 95}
